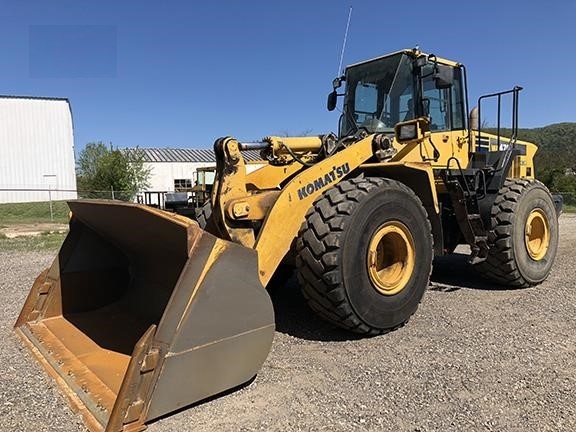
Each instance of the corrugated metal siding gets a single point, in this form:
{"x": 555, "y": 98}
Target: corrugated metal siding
{"x": 36, "y": 149}
{"x": 163, "y": 174}
{"x": 188, "y": 155}
{"x": 178, "y": 155}
{"x": 169, "y": 164}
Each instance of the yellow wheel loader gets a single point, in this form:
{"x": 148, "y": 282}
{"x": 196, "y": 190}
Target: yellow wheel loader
{"x": 144, "y": 312}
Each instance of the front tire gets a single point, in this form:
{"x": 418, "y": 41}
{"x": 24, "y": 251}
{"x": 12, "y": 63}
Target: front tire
{"x": 203, "y": 214}
{"x": 524, "y": 235}
{"x": 364, "y": 255}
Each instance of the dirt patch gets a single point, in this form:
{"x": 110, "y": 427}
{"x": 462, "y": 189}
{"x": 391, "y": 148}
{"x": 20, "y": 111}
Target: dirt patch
{"x": 19, "y": 230}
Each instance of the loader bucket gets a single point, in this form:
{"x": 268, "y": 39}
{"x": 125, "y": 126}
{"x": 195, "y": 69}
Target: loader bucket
{"x": 143, "y": 313}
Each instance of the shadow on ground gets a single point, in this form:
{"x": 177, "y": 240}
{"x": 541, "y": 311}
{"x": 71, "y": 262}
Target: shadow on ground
{"x": 294, "y": 317}
{"x": 453, "y": 272}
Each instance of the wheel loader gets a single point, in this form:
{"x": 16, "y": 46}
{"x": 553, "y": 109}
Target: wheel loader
{"x": 144, "y": 312}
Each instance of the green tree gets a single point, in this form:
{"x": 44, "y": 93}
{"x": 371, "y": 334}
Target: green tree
{"x": 101, "y": 170}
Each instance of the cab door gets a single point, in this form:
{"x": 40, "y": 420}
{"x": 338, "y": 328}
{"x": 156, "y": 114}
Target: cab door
{"x": 445, "y": 108}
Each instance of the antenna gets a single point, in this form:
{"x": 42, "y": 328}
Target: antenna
{"x": 344, "y": 44}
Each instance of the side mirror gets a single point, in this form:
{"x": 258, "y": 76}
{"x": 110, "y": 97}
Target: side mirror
{"x": 443, "y": 76}
{"x": 331, "y": 104}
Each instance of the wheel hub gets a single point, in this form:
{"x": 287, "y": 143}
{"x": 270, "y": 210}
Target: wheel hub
{"x": 537, "y": 234}
{"x": 391, "y": 258}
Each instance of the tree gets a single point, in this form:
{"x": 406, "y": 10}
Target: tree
{"x": 103, "y": 170}
{"x": 555, "y": 160}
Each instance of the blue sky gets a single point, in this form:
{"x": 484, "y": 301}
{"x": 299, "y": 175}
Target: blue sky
{"x": 183, "y": 73}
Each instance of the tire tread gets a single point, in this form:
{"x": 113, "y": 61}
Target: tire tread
{"x": 501, "y": 265}
{"x": 318, "y": 246}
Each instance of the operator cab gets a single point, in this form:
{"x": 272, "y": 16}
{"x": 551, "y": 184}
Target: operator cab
{"x": 398, "y": 87}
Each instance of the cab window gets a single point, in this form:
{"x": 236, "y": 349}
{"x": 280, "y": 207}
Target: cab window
{"x": 445, "y": 107}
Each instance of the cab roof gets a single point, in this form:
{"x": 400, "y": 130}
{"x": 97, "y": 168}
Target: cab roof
{"x": 415, "y": 52}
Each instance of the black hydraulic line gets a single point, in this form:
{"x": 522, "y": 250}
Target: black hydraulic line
{"x": 295, "y": 156}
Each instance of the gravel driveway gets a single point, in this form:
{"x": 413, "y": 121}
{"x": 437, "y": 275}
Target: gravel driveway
{"x": 473, "y": 358}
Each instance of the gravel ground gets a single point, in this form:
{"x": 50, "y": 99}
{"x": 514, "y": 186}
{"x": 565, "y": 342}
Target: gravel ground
{"x": 473, "y": 358}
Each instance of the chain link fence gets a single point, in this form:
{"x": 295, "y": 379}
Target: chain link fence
{"x": 49, "y": 206}
{"x": 30, "y": 206}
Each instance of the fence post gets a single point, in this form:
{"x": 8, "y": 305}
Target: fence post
{"x": 50, "y": 201}
{"x": 112, "y": 189}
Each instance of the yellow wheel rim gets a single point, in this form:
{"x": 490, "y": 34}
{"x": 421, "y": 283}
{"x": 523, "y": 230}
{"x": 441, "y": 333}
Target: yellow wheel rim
{"x": 537, "y": 234}
{"x": 391, "y": 258}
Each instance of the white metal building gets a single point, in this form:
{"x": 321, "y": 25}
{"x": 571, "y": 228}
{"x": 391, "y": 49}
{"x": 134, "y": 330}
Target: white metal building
{"x": 36, "y": 149}
{"x": 172, "y": 169}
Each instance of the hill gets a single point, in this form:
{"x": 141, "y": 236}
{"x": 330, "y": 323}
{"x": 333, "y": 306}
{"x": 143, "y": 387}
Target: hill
{"x": 555, "y": 160}
{"x": 557, "y": 146}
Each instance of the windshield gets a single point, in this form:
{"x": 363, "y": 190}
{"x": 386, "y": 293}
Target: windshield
{"x": 378, "y": 95}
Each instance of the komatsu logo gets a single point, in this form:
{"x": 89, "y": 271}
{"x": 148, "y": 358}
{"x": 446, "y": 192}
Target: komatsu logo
{"x": 325, "y": 180}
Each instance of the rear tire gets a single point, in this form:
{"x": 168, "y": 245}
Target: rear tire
{"x": 364, "y": 255}
{"x": 523, "y": 236}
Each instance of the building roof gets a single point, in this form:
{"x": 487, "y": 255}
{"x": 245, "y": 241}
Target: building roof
{"x": 188, "y": 155}
{"x": 177, "y": 155}
{"x": 35, "y": 98}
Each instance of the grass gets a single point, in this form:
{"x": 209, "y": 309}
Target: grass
{"x": 39, "y": 212}
{"x": 33, "y": 212}
{"x": 44, "y": 241}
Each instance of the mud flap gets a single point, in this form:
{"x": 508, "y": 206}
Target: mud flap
{"x": 143, "y": 313}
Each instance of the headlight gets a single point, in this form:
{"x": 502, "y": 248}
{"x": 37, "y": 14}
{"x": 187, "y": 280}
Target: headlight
{"x": 407, "y": 132}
